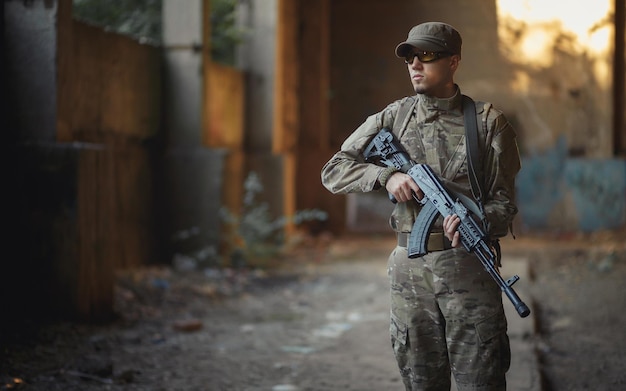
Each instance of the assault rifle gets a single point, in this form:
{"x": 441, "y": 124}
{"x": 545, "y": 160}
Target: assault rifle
{"x": 385, "y": 149}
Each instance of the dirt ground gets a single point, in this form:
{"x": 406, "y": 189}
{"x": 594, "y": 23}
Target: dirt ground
{"x": 580, "y": 302}
{"x": 317, "y": 323}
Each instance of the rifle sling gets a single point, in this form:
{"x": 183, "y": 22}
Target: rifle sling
{"x": 474, "y": 165}
{"x": 471, "y": 141}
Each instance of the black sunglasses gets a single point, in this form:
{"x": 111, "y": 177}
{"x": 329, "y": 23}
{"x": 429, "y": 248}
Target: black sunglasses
{"x": 424, "y": 56}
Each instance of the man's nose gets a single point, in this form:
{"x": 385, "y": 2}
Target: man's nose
{"x": 416, "y": 64}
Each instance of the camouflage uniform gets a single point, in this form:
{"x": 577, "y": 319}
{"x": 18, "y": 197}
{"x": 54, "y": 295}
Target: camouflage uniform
{"x": 446, "y": 311}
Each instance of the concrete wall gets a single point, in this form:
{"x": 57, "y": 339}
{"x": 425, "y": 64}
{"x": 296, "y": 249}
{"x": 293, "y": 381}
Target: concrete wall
{"x": 558, "y": 193}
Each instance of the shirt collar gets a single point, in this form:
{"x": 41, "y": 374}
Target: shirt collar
{"x": 439, "y": 104}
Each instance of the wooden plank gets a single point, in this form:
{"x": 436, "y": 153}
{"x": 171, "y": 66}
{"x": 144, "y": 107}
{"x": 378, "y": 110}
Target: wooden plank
{"x": 286, "y": 100}
{"x": 226, "y": 111}
{"x": 289, "y": 189}
{"x": 314, "y": 137}
{"x": 232, "y": 196}
{"x": 131, "y": 192}
{"x": 324, "y": 84}
{"x": 226, "y": 108}
{"x": 234, "y": 175}
{"x": 109, "y": 86}
{"x": 93, "y": 292}
{"x": 65, "y": 63}
{"x": 313, "y": 115}
{"x": 111, "y": 228}
{"x": 206, "y": 68}
{"x": 619, "y": 81}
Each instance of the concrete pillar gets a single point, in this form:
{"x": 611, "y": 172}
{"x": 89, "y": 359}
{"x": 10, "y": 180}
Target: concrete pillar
{"x": 30, "y": 78}
{"x": 256, "y": 56}
{"x": 190, "y": 186}
{"x": 183, "y": 79}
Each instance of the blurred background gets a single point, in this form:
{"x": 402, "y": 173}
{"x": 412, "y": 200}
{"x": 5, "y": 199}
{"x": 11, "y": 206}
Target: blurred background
{"x": 144, "y": 132}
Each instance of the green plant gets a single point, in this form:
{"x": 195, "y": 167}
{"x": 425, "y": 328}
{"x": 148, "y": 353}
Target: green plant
{"x": 142, "y": 19}
{"x": 255, "y": 233}
{"x": 226, "y": 34}
{"x": 137, "y": 18}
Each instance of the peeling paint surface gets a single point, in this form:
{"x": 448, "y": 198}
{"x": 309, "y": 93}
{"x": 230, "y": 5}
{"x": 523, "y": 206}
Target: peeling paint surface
{"x": 598, "y": 188}
{"x": 556, "y": 191}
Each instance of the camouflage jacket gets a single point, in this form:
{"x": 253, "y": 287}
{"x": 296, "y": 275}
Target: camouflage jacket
{"x": 433, "y": 132}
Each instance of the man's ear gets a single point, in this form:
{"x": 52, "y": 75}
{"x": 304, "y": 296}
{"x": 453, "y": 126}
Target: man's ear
{"x": 455, "y": 59}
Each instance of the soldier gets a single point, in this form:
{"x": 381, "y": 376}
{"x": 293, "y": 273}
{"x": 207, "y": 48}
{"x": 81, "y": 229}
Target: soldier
{"x": 446, "y": 311}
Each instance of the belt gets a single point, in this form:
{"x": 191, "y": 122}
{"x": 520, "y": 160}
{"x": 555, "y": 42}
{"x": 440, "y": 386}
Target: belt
{"x": 437, "y": 241}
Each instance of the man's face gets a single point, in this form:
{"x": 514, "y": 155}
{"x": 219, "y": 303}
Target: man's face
{"x": 434, "y": 74}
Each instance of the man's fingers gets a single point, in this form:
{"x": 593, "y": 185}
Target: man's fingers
{"x": 416, "y": 189}
{"x": 450, "y": 225}
{"x": 456, "y": 239}
{"x": 402, "y": 186}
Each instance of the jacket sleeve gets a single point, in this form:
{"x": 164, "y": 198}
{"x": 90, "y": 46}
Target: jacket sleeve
{"x": 347, "y": 171}
{"x": 502, "y": 164}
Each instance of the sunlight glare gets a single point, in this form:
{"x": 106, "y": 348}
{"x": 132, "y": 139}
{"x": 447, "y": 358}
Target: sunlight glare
{"x": 587, "y": 21}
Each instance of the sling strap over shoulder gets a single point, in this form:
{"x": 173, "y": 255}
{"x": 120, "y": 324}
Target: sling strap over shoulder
{"x": 471, "y": 141}
{"x": 407, "y": 106}
{"x": 474, "y": 165}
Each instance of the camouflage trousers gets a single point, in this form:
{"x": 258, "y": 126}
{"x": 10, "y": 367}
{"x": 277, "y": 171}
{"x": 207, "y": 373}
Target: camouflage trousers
{"x": 447, "y": 316}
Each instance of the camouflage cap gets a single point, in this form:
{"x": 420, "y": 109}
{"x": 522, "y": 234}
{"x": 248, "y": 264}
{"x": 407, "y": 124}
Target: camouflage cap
{"x": 431, "y": 36}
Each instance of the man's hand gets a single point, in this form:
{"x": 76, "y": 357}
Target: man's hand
{"x": 450, "y": 225}
{"x": 402, "y": 187}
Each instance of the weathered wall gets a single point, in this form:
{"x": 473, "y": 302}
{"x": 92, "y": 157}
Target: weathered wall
{"x": 80, "y": 161}
{"x": 73, "y": 223}
{"x": 562, "y": 102}
{"x": 556, "y": 192}
{"x": 109, "y": 88}
{"x": 115, "y": 104}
